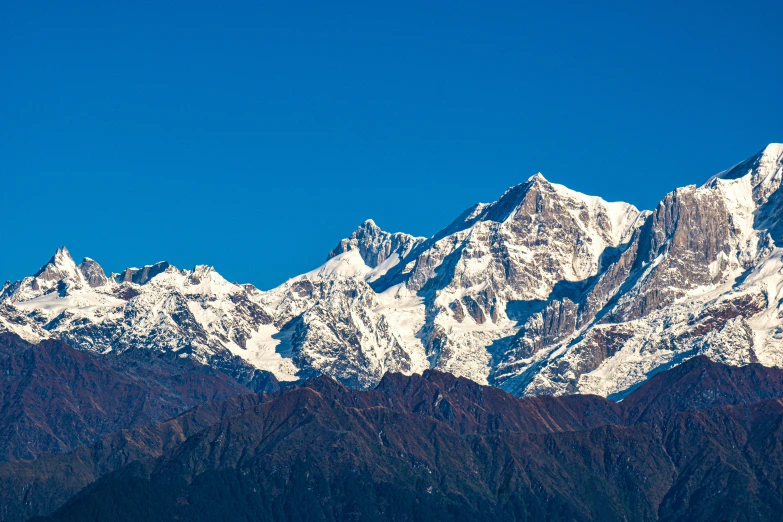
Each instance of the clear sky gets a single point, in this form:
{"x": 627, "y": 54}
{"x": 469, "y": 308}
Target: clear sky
{"x": 252, "y": 136}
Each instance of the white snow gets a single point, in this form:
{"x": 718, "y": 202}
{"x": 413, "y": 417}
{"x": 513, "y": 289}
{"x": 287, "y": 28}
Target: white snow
{"x": 84, "y": 302}
{"x": 347, "y": 264}
{"x": 261, "y": 351}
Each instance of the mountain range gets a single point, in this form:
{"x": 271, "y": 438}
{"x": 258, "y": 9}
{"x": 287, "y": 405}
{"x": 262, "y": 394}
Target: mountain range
{"x": 700, "y": 441}
{"x": 544, "y": 291}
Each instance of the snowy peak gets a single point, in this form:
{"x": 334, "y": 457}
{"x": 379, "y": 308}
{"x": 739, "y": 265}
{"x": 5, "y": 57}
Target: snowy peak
{"x": 772, "y": 153}
{"x": 375, "y": 245}
{"x": 525, "y": 199}
{"x": 62, "y": 257}
{"x": 369, "y": 224}
{"x": 752, "y": 190}
{"x": 93, "y": 273}
{"x": 537, "y": 195}
{"x": 344, "y": 265}
{"x": 59, "y": 273}
{"x": 378, "y": 250}
{"x": 60, "y": 267}
{"x": 140, "y": 276}
{"x": 764, "y": 171}
{"x": 196, "y": 313}
{"x": 205, "y": 280}
{"x": 513, "y": 198}
{"x": 759, "y": 166}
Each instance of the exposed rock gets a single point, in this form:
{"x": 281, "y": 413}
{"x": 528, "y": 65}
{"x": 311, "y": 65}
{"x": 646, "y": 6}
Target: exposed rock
{"x": 140, "y": 276}
{"x": 93, "y": 273}
{"x": 376, "y": 246}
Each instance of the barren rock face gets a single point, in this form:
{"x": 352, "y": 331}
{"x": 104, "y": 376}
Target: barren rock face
{"x": 93, "y": 273}
{"x": 543, "y": 291}
{"x": 376, "y": 245}
{"x": 697, "y": 259}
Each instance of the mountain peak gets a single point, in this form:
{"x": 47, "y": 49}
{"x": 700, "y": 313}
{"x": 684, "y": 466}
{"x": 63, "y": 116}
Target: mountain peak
{"x": 770, "y": 156}
{"x": 375, "y": 244}
{"x": 92, "y": 272}
{"x": 369, "y": 223}
{"x": 537, "y": 177}
{"x": 62, "y": 257}
{"x": 140, "y": 276}
{"x": 773, "y": 148}
{"x": 764, "y": 171}
{"x": 59, "y": 267}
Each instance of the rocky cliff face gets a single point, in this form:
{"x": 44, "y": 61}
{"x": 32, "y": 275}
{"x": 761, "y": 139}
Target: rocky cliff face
{"x": 699, "y": 276}
{"x": 377, "y": 246}
{"x": 543, "y": 291}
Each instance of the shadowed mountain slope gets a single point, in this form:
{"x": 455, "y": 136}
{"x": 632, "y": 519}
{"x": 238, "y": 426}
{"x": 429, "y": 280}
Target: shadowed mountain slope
{"x": 54, "y": 398}
{"x": 697, "y": 442}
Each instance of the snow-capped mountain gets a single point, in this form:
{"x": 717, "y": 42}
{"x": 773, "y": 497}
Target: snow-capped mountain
{"x": 545, "y": 290}
{"x": 701, "y": 275}
{"x": 194, "y": 312}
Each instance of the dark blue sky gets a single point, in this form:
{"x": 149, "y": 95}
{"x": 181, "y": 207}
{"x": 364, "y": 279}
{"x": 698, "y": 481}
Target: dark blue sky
{"x": 254, "y": 135}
